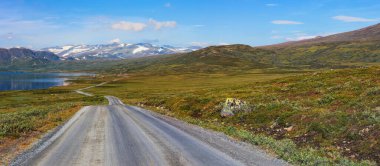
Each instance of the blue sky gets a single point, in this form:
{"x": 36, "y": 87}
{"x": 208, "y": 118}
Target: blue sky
{"x": 44, "y": 23}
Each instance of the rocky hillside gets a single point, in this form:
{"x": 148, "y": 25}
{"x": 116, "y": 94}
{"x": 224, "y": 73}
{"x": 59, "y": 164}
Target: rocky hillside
{"x": 340, "y": 50}
{"x": 336, "y": 51}
{"x": 115, "y": 51}
{"x": 371, "y": 33}
{"x": 23, "y": 56}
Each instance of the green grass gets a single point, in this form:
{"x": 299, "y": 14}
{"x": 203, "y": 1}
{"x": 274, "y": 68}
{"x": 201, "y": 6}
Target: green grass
{"x": 22, "y": 112}
{"x": 332, "y": 113}
{"x": 336, "y": 53}
{"x": 231, "y": 58}
{"x": 26, "y": 115}
{"x": 297, "y": 102}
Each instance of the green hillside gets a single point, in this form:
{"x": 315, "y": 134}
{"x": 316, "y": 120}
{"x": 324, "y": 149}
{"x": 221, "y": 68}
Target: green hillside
{"x": 234, "y": 58}
{"x": 339, "y": 53}
{"x": 318, "y": 117}
{"x": 349, "y": 49}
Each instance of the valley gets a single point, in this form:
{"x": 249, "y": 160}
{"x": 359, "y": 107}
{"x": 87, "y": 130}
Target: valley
{"x": 115, "y": 51}
{"x": 305, "y": 102}
{"x": 311, "y": 102}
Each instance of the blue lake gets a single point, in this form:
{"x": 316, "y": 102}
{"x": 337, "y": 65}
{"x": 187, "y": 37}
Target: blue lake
{"x": 29, "y": 81}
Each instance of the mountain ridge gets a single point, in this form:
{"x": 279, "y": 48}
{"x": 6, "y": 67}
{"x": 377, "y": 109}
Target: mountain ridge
{"x": 115, "y": 51}
{"x": 24, "y": 56}
{"x": 334, "y": 51}
{"x": 360, "y": 46}
{"x": 370, "y": 33}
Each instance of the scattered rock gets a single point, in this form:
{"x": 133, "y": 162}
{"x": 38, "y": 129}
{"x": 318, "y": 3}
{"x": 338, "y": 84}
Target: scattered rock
{"x": 274, "y": 124}
{"x": 288, "y": 129}
{"x": 232, "y": 106}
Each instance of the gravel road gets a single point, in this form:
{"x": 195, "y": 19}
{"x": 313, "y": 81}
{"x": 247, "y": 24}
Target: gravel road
{"x": 118, "y": 134}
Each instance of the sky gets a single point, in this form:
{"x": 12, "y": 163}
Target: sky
{"x": 38, "y": 24}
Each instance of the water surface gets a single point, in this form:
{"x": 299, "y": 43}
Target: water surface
{"x": 29, "y": 81}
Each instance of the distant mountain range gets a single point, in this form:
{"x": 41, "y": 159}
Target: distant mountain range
{"x": 115, "y": 51}
{"x": 371, "y": 33}
{"x": 341, "y": 50}
{"x": 355, "y": 47}
{"x": 23, "y": 56}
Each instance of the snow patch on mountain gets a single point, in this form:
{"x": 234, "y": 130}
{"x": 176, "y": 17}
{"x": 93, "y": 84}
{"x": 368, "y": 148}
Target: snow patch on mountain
{"x": 114, "y": 51}
{"x": 57, "y": 50}
{"x": 140, "y": 49}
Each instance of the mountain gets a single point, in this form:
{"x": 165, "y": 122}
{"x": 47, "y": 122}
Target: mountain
{"x": 359, "y": 46}
{"x": 23, "y": 56}
{"x": 114, "y": 51}
{"x": 371, "y": 33}
{"x": 335, "y": 51}
{"x": 224, "y": 56}
{"x": 207, "y": 60}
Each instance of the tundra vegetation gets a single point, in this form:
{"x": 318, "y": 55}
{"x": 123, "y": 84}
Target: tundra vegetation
{"x": 310, "y": 105}
{"x": 26, "y": 115}
{"x": 307, "y": 118}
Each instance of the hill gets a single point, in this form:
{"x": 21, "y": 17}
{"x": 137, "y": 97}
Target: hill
{"x": 355, "y": 48}
{"x": 18, "y": 57}
{"x": 348, "y": 49}
{"x": 242, "y": 57}
{"x": 115, "y": 51}
{"x": 215, "y": 58}
{"x": 371, "y": 33}
{"x": 329, "y": 114}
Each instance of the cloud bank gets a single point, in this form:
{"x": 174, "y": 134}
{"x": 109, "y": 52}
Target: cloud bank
{"x": 298, "y": 38}
{"x": 165, "y": 24}
{"x": 353, "y": 19}
{"x": 140, "y": 26}
{"x": 129, "y": 26}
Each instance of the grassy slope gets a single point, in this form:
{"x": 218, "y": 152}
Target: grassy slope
{"x": 192, "y": 85}
{"x": 232, "y": 58}
{"x": 336, "y": 112}
{"x": 330, "y": 54}
{"x": 26, "y": 115}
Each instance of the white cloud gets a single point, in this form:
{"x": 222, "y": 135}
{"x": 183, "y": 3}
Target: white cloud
{"x": 129, "y": 26}
{"x": 199, "y": 25}
{"x": 224, "y": 44}
{"x": 8, "y": 36}
{"x": 274, "y": 32}
{"x": 200, "y": 44}
{"x": 276, "y": 37}
{"x": 286, "y": 22}
{"x": 13, "y": 24}
{"x": 206, "y": 44}
{"x": 139, "y": 26}
{"x": 164, "y": 24}
{"x": 299, "y": 35}
{"x": 353, "y": 19}
{"x": 151, "y": 41}
{"x": 168, "y": 5}
{"x": 271, "y": 4}
{"x": 117, "y": 40}
{"x": 298, "y": 38}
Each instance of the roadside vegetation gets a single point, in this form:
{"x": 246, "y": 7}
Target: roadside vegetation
{"x": 324, "y": 117}
{"x": 26, "y": 115}
{"x": 228, "y": 58}
{"x": 302, "y": 110}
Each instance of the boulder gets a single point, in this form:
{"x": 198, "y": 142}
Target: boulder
{"x": 233, "y": 106}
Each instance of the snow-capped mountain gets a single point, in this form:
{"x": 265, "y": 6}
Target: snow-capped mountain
{"x": 115, "y": 51}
